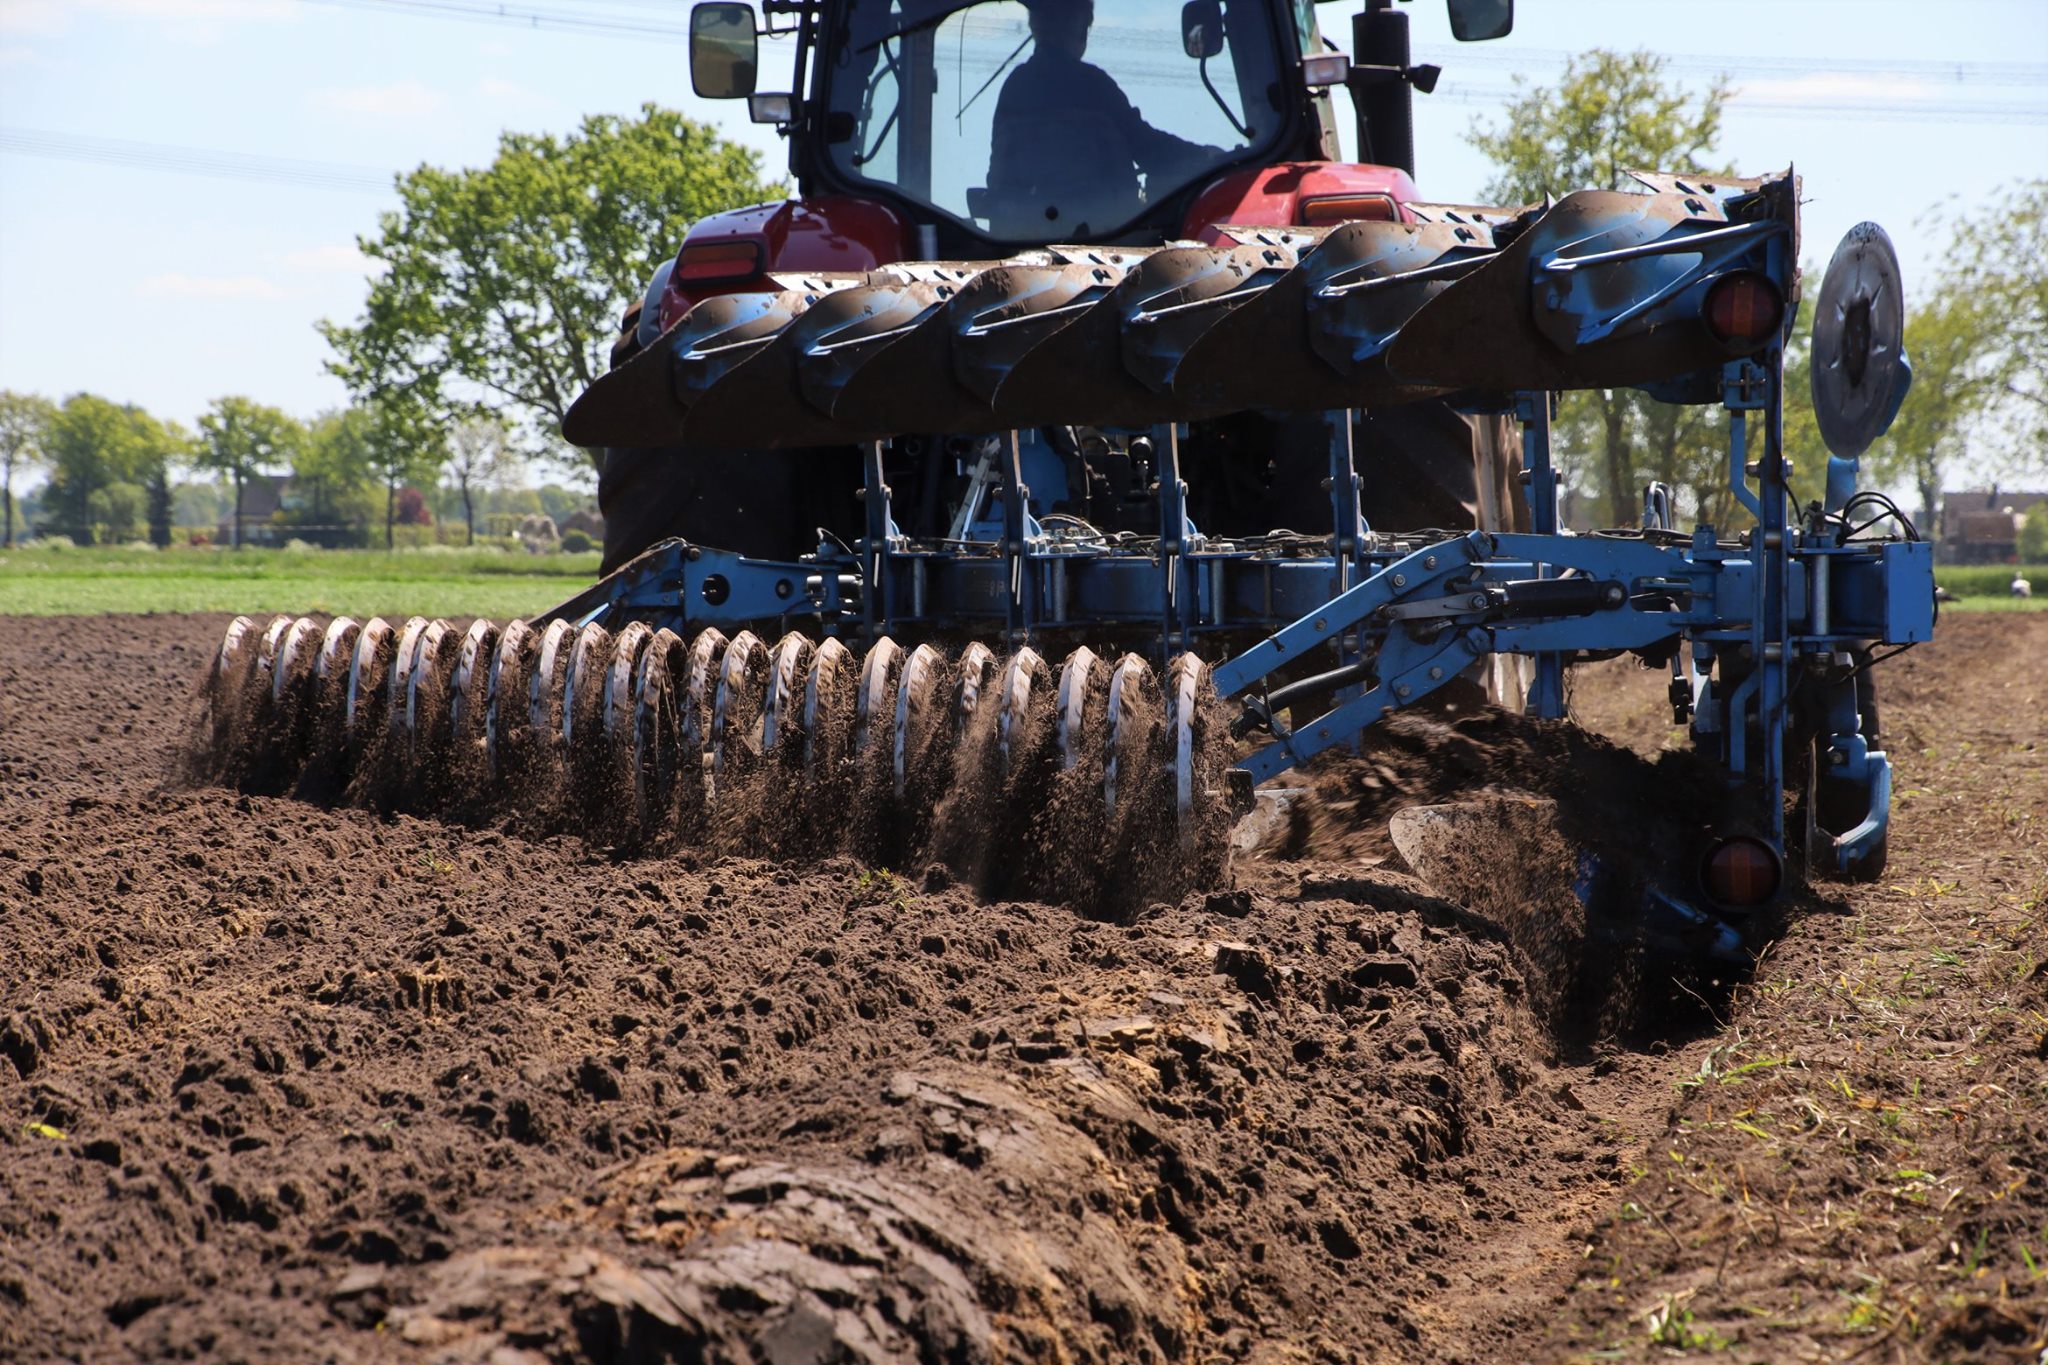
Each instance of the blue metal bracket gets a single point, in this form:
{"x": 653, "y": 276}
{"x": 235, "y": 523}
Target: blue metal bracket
{"x": 1539, "y": 483}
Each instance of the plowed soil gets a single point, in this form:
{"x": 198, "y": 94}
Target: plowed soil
{"x": 281, "y": 1082}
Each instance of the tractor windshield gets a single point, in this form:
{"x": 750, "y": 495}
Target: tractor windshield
{"x": 1053, "y": 120}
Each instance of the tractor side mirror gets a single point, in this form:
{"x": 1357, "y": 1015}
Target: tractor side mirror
{"x": 1475, "y": 21}
{"x": 724, "y": 50}
{"x": 1201, "y": 29}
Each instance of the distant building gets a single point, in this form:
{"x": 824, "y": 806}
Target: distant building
{"x": 263, "y": 497}
{"x": 1982, "y": 525}
{"x": 589, "y": 521}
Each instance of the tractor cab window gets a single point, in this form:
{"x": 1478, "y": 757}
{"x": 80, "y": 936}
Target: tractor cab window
{"x": 1052, "y": 120}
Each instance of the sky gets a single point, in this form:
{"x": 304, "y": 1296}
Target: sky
{"x": 182, "y": 181}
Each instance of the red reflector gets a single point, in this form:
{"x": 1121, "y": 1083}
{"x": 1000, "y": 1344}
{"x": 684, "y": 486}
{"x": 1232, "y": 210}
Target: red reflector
{"x": 718, "y": 261}
{"x": 1325, "y": 210}
{"x": 1741, "y": 871}
{"x": 1744, "y": 309}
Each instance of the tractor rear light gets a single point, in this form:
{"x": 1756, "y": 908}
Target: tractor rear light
{"x": 718, "y": 261}
{"x": 1327, "y": 210}
{"x": 1741, "y": 872}
{"x": 1743, "y": 309}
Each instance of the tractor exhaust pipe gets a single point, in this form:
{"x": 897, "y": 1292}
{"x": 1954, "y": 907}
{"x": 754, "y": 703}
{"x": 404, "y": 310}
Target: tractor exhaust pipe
{"x": 1381, "y": 90}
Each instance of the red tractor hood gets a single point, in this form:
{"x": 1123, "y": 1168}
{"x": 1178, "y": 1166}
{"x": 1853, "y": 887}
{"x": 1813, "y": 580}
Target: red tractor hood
{"x": 842, "y": 233}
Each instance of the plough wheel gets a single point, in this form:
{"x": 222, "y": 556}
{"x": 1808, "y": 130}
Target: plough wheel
{"x": 916, "y": 689}
{"x": 1132, "y": 723}
{"x": 1013, "y": 704}
{"x": 640, "y": 735}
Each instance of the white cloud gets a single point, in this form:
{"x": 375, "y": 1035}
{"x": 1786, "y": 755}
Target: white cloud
{"x": 405, "y": 99}
{"x": 178, "y": 285}
{"x": 331, "y": 260}
{"x": 16, "y": 55}
{"x": 494, "y": 88}
{"x": 1834, "y": 87}
{"x": 495, "y": 47}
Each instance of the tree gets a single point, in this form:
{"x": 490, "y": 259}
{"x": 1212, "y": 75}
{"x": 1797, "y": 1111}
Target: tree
{"x": 160, "y": 503}
{"x": 1997, "y": 263}
{"x": 24, "y": 420}
{"x": 2033, "y": 545}
{"x": 1611, "y": 113}
{"x": 504, "y": 285}
{"x": 481, "y": 456}
{"x": 117, "y": 510}
{"x": 412, "y": 508}
{"x": 401, "y": 445}
{"x": 333, "y": 473}
{"x": 91, "y": 444}
{"x": 1956, "y": 376}
{"x": 238, "y": 438}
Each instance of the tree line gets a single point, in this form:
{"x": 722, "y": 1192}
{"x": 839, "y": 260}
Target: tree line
{"x": 114, "y": 473}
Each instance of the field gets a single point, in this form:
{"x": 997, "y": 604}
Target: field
{"x": 79, "y": 582}
{"x": 444, "y": 581}
{"x": 282, "y": 1081}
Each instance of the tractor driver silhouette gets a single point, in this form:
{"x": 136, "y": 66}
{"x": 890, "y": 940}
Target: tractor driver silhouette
{"x": 1068, "y": 144}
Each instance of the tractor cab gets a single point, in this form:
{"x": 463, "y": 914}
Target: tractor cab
{"x": 994, "y": 125}
{"x": 1056, "y": 122}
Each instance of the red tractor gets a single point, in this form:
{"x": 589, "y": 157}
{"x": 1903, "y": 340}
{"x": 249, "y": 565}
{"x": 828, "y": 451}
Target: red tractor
{"x": 979, "y": 130}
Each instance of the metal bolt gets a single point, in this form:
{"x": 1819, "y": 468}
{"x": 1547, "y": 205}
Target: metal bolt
{"x": 1400, "y": 580}
{"x": 1429, "y": 561}
{"x": 1323, "y": 733}
{"x": 1478, "y": 599}
{"x": 1435, "y": 673}
{"x": 1319, "y": 623}
{"x": 1837, "y": 759}
{"x": 1402, "y": 689}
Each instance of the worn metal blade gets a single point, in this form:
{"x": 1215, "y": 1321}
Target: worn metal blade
{"x": 1602, "y": 289}
{"x": 833, "y": 332}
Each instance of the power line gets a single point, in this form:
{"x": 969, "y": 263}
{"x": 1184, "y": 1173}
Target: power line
{"x": 207, "y": 161}
{"x": 1845, "y": 106}
{"x": 539, "y": 17}
{"x": 593, "y": 19}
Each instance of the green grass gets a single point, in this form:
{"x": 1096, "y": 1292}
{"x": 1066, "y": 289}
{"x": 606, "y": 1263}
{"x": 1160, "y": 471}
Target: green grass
{"x": 435, "y": 582}
{"x": 1997, "y": 604}
{"x": 1988, "y": 580}
{"x": 444, "y": 581}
